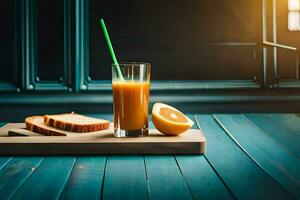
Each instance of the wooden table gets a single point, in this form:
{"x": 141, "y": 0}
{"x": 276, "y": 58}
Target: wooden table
{"x": 249, "y": 156}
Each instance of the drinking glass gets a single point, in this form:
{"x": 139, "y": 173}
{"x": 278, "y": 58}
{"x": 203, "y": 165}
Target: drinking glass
{"x": 131, "y": 98}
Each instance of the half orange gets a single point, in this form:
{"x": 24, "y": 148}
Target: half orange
{"x": 169, "y": 120}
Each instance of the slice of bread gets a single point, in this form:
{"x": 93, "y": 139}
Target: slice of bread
{"x": 76, "y": 123}
{"x": 36, "y": 124}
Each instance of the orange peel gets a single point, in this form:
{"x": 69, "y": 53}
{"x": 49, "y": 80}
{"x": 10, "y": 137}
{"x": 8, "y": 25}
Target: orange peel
{"x": 170, "y": 121}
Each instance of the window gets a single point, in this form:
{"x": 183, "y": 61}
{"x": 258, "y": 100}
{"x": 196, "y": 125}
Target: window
{"x": 294, "y": 15}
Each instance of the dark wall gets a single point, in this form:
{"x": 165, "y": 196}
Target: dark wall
{"x": 7, "y": 40}
{"x": 50, "y": 39}
{"x": 182, "y": 39}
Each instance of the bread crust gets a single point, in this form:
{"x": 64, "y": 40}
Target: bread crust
{"x": 37, "y": 129}
{"x": 73, "y": 127}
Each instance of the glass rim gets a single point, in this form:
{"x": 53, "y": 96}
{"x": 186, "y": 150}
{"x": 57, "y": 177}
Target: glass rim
{"x": 131, "y": 64}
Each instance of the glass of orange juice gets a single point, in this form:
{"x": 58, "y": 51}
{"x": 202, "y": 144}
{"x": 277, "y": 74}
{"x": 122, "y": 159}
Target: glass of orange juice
{"x": 131, "y": 98}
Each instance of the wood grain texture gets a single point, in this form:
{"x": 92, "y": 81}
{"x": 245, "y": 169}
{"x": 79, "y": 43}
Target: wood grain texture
{"x": 125, "y": 178}
{"x": 274, "y": 159}
{"x": 225, "y": 165}
{"x": 165, "y": 179}
{"x": 15, "y": 172}
{"x": 168, "y": 187}
{"x": 201, "y": 178}
{"x": 86, "y": 179}
{"x": 284, "y": 136}
{"x": 48, "y": 179}
{"x": 191, "y": 142}
{"x": 4, "y": 160}
{"x": 290, "y": 122}
{"x": 242, "y": 176}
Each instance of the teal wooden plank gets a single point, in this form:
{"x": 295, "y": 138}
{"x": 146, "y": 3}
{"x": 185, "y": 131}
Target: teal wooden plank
{"x": 243, "y": 177}
{"x": 172, "y": 185}
{"x": 165, "y": 179}
{"x": 174, "y": 190}
{"x": 85, "y": 181}
{"x": 15, "y": 172}
{"x": 4, "y": 160}
{"x": 48, "y": 180}
{"x": 201, "y": 179}
{"x": 129, "y": 185}
{"x": 125, "y": 178}
{"x": 290, "y": 122}
{"x": 274, "y": 159}
{"x": 287, "y": 138}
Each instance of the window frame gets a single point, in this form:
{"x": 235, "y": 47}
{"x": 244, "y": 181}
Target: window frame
{"x": 277, "y": 82}
{"x": 31, "y": 80}
{"x": 85, "y": 83}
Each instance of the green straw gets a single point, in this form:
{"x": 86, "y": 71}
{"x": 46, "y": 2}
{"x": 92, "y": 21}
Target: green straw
{"x": 111, "y": 49}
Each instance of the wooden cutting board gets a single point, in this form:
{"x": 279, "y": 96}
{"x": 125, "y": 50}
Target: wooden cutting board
{"x": 16, "y": 140}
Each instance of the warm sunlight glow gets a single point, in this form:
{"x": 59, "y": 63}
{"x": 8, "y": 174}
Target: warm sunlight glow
{"x": 294, "y": 5}
{"x": 294, "y": 21}
{"x": 294, "y": 15}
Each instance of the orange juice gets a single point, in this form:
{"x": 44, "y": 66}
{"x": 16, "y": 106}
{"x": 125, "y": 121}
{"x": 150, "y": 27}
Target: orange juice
{"x": 131, "y": 102}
